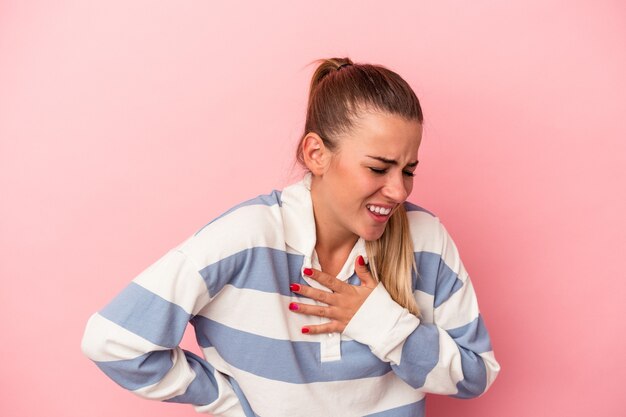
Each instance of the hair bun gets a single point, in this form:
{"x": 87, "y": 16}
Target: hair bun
{"x": 345, "y": 64}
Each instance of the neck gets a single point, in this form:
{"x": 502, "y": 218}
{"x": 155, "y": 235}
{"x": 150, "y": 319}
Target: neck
{"x": 333, "y": 243}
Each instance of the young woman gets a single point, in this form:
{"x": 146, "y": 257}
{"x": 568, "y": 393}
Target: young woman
{"x": 332, "y": 297}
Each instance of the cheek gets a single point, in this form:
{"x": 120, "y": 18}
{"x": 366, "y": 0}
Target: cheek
{"x": 367, "y": 186}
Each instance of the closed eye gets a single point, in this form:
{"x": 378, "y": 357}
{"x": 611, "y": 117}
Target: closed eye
{"x": 381, "y": 171}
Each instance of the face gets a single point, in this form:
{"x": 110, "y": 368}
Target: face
{"x": 367, "y": 177}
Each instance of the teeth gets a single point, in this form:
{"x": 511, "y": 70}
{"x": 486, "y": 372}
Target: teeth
{"x": 379, "y": 210}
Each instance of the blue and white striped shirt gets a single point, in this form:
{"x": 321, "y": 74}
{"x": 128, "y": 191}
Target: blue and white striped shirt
{"x": 231, "y": 281}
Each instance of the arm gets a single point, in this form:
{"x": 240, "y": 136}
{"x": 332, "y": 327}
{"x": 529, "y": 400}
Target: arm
{"x": 453, "y": 354}
{"x": 456, "y": 361}
{"x": 134, "y": 339}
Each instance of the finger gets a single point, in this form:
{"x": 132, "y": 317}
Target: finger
{"x": 325, "y": 279}
{"x": 330, "y": 327}
{"x": 363, "y": 273}
{"x": 325, "y": 297}
{"x": 312, "y": 310}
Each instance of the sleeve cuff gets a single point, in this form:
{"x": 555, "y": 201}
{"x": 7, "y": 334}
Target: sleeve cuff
{"x": 381, "y": 323}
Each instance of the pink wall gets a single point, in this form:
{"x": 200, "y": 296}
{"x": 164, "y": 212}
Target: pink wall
{"x": 124, "y": 126}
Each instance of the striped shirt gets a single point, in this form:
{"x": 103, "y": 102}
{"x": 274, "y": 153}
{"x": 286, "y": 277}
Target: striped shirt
{"x": 231, "y": 281}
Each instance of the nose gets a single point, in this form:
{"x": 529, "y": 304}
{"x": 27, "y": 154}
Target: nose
{"x": 396, "y": 189}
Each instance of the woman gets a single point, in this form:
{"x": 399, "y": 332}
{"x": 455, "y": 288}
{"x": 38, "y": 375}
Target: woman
{"x": 332, "y": 297}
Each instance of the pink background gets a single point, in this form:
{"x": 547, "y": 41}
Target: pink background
{"x": 125, "y": 126}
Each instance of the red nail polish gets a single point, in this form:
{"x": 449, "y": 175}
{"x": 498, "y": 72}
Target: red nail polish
{"x": 294, "y": 287}
{"x": 307, "y": 271}
{"x": 293, "y": 306}
{"x": 305, "y": 330}
{"x": 360, "y": 260}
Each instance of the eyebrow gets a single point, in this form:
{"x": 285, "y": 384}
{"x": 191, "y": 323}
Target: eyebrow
{"x": 392, "y": 161}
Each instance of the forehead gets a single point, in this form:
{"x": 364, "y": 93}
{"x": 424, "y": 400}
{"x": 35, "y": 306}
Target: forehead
{"x": 383, "y": 133}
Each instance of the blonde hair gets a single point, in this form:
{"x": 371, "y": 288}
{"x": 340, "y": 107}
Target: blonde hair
{"x": 392, "y": 261}
{"x": 340, "y": 90}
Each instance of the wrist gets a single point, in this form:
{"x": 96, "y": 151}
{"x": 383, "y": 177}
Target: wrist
{"x": 381, "y": 323}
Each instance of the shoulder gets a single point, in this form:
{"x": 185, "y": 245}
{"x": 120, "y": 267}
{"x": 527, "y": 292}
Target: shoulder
{"x": 412, "y": 207}
{"x": 260, "y": 206}
{"x": 429, "y": 235}
{"x": 435, "y": 251}
{"x": 256, "y": 222}
{"x": 425, "y": 227}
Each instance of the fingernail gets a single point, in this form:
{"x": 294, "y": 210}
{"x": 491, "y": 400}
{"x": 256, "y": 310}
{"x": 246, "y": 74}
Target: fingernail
{"x": 307, "y": 271}
{"x": 360, "y": 260}
{"x": 293, "y": 306}
{"x": 305, "y": 330}
{"x": 294, "y": 287}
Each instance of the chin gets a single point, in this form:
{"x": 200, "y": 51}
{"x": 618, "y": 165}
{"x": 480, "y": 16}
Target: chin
{"x": 372, "y": 234}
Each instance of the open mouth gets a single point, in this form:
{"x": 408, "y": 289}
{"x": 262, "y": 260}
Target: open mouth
{"x": 379, "y": 213}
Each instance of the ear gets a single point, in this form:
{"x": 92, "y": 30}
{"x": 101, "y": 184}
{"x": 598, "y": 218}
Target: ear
{"x": 316, "y": 154}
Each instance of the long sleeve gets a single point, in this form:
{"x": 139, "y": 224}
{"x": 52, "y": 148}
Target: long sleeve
{"x": 450, "y": 353}
{"x": 135, "y": 338}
